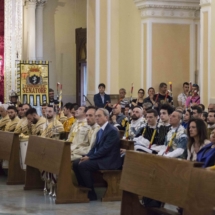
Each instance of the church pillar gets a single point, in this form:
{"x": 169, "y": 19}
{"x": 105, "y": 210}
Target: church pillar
{"x": 39, "y": 29}
{"x": 212, "y": 54}
{"x": 169, "y": 42}
{"x": 31, "y": 26}
{"x": 103, "y": 45}
{"x": 207, "y": 77}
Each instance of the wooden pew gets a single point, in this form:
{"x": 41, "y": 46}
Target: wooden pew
{"x": 172, "y": 181}
{"x": 9, "y": 150}
{"x": 121, "y": 133}
{"x": 112, "y": 177}
{"x": 52, "y": 156}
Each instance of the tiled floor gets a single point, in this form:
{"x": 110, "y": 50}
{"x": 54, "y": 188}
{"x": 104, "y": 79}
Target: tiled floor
{"x": 15, "y": 201}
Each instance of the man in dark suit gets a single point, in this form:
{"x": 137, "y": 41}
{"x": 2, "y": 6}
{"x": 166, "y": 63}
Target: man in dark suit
{"x": 105, "y": 154}
{"x": 101, "y": 99}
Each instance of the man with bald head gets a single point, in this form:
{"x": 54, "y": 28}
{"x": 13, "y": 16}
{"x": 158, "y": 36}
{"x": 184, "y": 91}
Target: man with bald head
{"x": 118, "y": 119}
{"x": 4, "y": 116}
{"x": 211, "y": 107}
{"x": 105, "y": 154}
{"x": 137, "y": 122}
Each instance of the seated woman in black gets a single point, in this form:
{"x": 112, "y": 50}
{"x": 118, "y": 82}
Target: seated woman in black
{"x": 207, "y": 153}
{"x": 139, "y": 101}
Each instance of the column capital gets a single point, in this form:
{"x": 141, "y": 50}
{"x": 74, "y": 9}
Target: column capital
{"x": 185, "y": 9}
{"x": 31, "y": 3}
{"x": 41, "y": 2}
{"x": 204, "y": 3}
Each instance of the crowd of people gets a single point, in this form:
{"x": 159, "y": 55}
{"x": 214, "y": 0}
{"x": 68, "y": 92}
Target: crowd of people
{"x": 156, "y": 126}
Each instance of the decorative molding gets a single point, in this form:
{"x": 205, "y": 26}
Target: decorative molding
{"x": 204, "y": 3}
{"x": 170, "y": 9}
{"x": 41, "y": 2}
{"x": 13, "y": 43}
{"x": 33, "y": 1}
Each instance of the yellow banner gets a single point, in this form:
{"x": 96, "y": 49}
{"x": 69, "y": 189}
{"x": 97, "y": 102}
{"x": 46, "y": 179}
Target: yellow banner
{"x": 33, "y": 82}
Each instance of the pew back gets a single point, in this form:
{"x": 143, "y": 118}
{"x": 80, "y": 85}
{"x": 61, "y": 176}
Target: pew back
{"x": 9, "y": 150}
{"x": 45, "y": 153}
{"x": 168, "y": 180}
{"x": 52, "y": 156}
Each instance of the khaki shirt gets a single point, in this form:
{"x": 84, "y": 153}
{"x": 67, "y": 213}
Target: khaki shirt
{"x": 3, "y": 122}
{"x": 38, "y": 128}
{"x": 85, "y": 144}
{"x": 22, "y": 126}
{"x": 11, "y": 125}
{"x": 53, "y": 126}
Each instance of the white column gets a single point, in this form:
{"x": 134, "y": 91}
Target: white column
{"x": 39, "y": 30}
{"x": 31, "y": 45}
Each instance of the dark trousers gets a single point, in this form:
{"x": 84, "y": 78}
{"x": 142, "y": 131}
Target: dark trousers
{"x": 84, "y": 170}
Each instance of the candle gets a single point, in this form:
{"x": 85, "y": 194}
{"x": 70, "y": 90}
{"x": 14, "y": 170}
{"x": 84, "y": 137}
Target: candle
{"x": 170, "y": 86}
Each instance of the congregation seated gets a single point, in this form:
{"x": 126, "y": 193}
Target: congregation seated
{"x": 95, "y": 142}
{"x": 194, "y": 98}
{"x": 150, "y": 98}
{"x": 67, "y": 110}
{"x": 59, "y": 113}
{"x": 211, "y": 121}
{"x": 14, "y": 119}
{"x": 139, "y": 100}
{"x": 163, "y": 96}
{"x": 83, "y": 132}
{"x": 175, "y": 144}
{"x": 154, "y": 132}
{"x": 207, "y": 153}
{"x": 23, "y": 126}
{"x": 104, "y": 155}
{"x": 182, "y": 97}
{"x": 118, "y": 119}
{"x": 102, "y": 100}
{"x": 122, "y": 99}
{"x": 53, "y": 125}
{"x": 38, "y": 123}
{"x": 186, "y": 118}
{"x": 137, "y": 123}
{"x": 5, "y": 117}
{"x": 146, "y": 106}
{"x": 196, "y": 112}
{"x": 43, "y": 109}
{"x": 197, "y": 138}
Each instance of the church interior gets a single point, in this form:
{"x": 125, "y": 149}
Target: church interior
{"x": 129, "y": 44}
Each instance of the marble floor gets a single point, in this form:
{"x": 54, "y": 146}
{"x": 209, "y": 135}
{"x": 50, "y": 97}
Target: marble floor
{"x": 15, "y": 201}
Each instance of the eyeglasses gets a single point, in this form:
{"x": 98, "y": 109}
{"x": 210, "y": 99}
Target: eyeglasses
{"x": 141, "y": 92}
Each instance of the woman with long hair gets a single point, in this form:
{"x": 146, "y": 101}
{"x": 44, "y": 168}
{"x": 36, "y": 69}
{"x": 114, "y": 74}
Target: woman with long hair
{"x": 140, "y": 98}
{"x": 186, "y": 118}
{"x": 197, "y": 137}
{"x": 207, "y": 153}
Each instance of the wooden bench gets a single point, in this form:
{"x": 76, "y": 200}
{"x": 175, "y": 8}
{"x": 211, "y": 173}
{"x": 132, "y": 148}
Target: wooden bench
{"x": 52, "y": 156}
{"x": 172, "y": 181}
{"x": 9, "y": 150}
{"x": 112, "y": 178}
{"x": 121, "y": 133}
